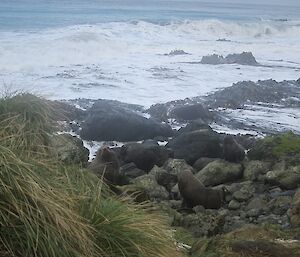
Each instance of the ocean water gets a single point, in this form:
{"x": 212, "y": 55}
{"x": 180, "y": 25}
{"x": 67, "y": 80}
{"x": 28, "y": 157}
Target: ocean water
{"x": 116, "y": 49}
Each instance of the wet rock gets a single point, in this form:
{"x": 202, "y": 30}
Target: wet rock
{"x": 111, "y": 120}
{"x": 220, "y": 172}
{"x": 193, "y": 125}
{"x": 246, "y": 92}
{"x": 190, "y": 112}
{"x": 194, "y": 145}
{"x": 233, "y": 152}
{"x": 70, "y": 149}
{"x": 245, "y": 58}
{"x": 144, "y": 155}
{"x": 286, "y": 179}
{"x": 255, "y": 170}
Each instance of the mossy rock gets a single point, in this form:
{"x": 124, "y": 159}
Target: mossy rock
{"x": 249, "y": 241}
{"x": 279, "y": 147}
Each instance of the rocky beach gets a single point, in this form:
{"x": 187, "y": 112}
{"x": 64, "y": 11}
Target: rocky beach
{"x": 155, "y": 145}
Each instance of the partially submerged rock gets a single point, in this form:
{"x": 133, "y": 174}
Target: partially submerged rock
{"x": 109, "y": 120}
{"x": 245, "y": 58}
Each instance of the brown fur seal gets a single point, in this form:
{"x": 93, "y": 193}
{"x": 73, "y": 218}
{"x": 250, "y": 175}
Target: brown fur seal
{"x": 195, "y": 193}
{"x": 233, "y": 152}
{"x": 106, "y": 165}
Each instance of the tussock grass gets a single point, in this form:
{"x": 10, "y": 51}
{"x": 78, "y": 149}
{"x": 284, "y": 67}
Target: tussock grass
{"x": 48, "y": 209}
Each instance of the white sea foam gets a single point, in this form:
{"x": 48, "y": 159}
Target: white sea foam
{"x": 126, "y": 61}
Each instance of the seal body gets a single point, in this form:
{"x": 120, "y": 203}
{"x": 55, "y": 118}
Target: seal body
{"x": 233, "y": 152}
{"x": 106, "y": 164}
{"x": 195, "y": 193}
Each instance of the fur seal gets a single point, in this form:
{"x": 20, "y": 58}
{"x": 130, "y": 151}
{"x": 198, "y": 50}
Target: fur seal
{"x": 195, "y": 193}
{"x": 233, "y": 152}
{"x": 106, "y": 164}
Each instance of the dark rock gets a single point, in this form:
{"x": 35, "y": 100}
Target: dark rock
{"x": 194, "y": 145}
{"x": 145, "y": 156}
{"x": 128, "y": 172}
{"x": 106, "y": 165}
{"x": 176, "y": 52}
{"x": 190, "y": 112}
{"x": 245, "y": 92}
{"x": 110, "y": 120}
{"x": 233, "y": 152}
{"x": 194, "y": 125}
{"x": 245, "y": 58}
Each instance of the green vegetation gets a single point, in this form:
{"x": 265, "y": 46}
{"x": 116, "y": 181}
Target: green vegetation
{"x": 50, "y": 209}
{"x": 278, "y": 147}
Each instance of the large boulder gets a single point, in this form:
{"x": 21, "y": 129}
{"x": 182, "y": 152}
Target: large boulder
{"x": 202, "y": 162}
{"x": 285, "y": 178}
{"x": 70, "y": 149}
{"x": 144, "y": 155}
{"x": 150, "y": 186}
{"x": 220, "y": 172}
{"x": 190, "y": 112}
{"x": 196, "y": 144}
{"x": 256, "y": 170}
{"x": 164, "y": 178}
{"x": 109, "y": 120}
{"x": 128, "y": 172}
{"x": 175, "y": 166}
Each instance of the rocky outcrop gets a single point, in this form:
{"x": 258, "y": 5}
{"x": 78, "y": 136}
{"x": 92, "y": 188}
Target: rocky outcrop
{"x": 145, "y": 155}
{"x": 245, "y": 58}
{"x": 220, "y": 172}
{"x": 256, "y": 170}
{"x": 110, "y": 120}
{"x": 194, "y": 145}
{"x": 285, "y": 178}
